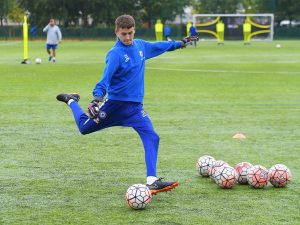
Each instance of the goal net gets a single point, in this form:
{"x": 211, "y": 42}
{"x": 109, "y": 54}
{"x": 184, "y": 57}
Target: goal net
{"x": 235, "y": 26}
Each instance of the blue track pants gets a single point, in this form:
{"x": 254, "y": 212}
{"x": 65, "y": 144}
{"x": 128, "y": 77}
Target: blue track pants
{"x": 127, "y": 114}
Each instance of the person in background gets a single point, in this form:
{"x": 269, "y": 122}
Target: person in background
{"x": 193, "y": 33}
{"x": 159, "y": 30}
{"x": 33, "y": 31}
{"x": 53, "y": 38}
{"x": 167, "y": 32}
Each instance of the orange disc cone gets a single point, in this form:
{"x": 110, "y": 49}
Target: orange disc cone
{"x": 239, "y": 136}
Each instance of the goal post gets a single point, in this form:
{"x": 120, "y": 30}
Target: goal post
{"x": 234, "y": 27}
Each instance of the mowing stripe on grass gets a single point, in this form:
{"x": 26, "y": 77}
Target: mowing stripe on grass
{"x": 225, "y": 71}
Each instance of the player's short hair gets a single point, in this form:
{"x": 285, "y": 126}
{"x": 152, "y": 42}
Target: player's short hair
{"x": 124, "y": 21}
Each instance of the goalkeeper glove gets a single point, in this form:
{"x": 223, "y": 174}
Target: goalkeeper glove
{"x": 188, "y": 40}
{"x": 94, "y": 109}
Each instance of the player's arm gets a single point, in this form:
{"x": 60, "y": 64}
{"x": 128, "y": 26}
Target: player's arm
{"x": 153, "y": 49}
{"x": 46, "y": 28}
{"x": 59, "y": 35}
{"x": 99, "y": 92}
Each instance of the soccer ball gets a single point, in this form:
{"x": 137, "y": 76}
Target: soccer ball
{"x": 226, "y": 177}
{"x": 203, "y": 165}
{"x": 216, "y": 165}
{"x": 278, "y": 46}
{"x": 138, "y": 196}
{"x": 258, "y": 176}
{"x": 38, "y": 60}
{"x": 280, "y": 175}
{"x": 241, "y": 169}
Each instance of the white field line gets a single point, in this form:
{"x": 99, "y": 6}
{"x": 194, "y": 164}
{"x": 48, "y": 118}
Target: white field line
{"x": 223, "y": 71}
{"x": 4, "y": 43}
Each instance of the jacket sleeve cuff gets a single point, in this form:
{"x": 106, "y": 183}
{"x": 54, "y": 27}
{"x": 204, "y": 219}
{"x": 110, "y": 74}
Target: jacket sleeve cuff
{"x": 98, "y": 99}
{"x": 179, "y": 44}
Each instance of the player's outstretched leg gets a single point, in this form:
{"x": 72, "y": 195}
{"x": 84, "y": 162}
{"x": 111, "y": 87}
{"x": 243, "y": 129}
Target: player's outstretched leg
{"x": 161, "y": 186}
{"x": 72, "y": 100}
{"x": 85, "y": 124}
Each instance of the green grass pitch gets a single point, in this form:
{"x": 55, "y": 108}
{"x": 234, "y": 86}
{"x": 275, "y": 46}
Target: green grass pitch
{"x": 197, "y": 98}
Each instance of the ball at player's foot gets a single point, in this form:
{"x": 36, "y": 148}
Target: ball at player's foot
{"x": 138, "y": 196}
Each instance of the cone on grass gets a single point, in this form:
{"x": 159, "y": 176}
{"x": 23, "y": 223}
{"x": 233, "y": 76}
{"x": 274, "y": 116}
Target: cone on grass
{"x": 239, "y": 136}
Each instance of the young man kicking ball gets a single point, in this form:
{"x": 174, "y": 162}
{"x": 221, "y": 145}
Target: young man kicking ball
{"x": 53, "y": 38}
{"x": 123, "y": 83}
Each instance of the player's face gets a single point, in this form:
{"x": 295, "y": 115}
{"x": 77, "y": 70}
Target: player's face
{"x": 52, "y": 22}
{"x": 126, "y": 35}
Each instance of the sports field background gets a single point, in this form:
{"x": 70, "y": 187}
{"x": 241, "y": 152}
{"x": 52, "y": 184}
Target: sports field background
{"x": 197, "y": 99}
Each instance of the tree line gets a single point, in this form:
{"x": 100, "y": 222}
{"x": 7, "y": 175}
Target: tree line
{"x": 103, "y": 12}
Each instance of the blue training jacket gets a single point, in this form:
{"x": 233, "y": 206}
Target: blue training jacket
{"x": 123, "y": 77}
{"x": 193, "y": 31}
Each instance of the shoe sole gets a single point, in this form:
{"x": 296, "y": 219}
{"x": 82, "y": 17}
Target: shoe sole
{"x": 168, "y": 188}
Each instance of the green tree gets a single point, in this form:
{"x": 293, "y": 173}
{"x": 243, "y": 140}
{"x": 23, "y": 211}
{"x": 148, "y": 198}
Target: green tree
{"x": 142, "y": 10}
{"x": 283, "y": 9}
{"x": 287, "y": 9}
{"x": 5, "y": 6}
{"x": 69, "y": 12}
{"x": 216, "y": 6}
{"x": 16, "y": 13}
{"x": 105, "y": 12}
{"x": 42, "y": 10}
{"x": 251, "y": 6}
{"x": 150, "y": 10}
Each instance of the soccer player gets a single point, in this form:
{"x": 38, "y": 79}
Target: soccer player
{"x": 193, "y": 32}
{"x": 167, "y": 32}
{"x": 123, "y": 83}
{"x": 53, "y": 38}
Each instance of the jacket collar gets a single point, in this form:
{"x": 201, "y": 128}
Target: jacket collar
{"x": 119, "y": 43}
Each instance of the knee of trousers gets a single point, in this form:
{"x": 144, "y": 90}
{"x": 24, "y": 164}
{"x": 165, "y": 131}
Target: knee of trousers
{"x": 155, "y": 137}
{"x": 84, "y": 131}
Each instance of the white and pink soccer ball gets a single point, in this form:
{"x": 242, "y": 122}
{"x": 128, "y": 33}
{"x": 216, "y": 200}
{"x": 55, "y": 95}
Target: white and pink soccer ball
{"x": 225, "y": 176}
{"x": 258, "y": 176}
{"x": 203, "y": 165}
{"x": 280, "y": 175}
{"x": 241, "y": 169}
{"x": 216, "y": 165}
{"x": 138, "y": 196}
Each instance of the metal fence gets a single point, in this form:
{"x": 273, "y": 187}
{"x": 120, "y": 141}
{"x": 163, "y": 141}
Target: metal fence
{"x": 178, "y": 31}
{"x": 15, "y": 32}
